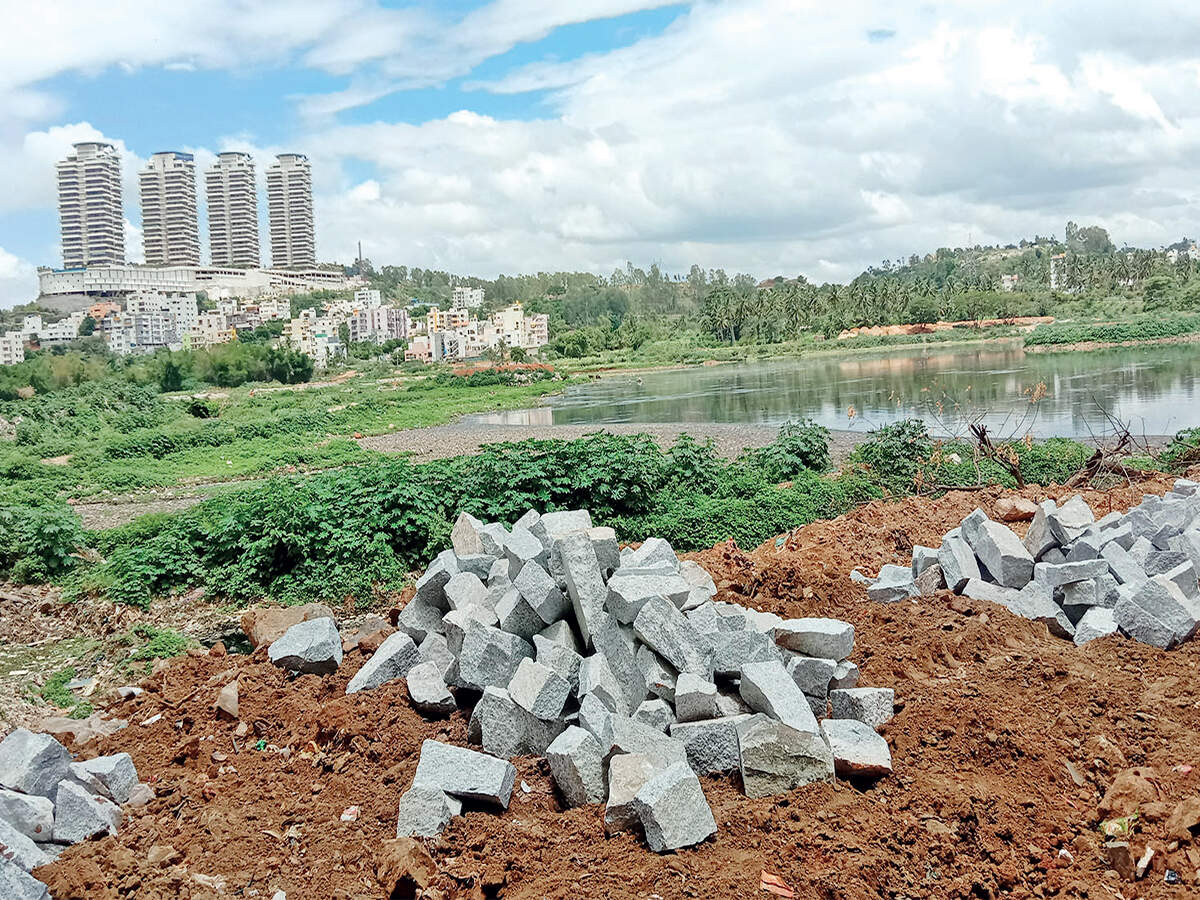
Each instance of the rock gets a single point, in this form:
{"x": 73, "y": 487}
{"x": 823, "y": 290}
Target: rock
{"x": 561, "y": 633}
{"x": 368, "y": 635}
{"x": 768, "y": 688}
{"x": 616, "y": 644}
{"x": 419, "y": 619}
{"x": 427, "y": 688}
{"x": 1157, "y": 613}
{"x": 1070, "y": 520}
{"x": 22, "y": 851}
{"x": 608, "y": 551}
{"x": 465, "y": 774}
{"x": 425, "y": 811}
{"x": 711, "y": 745}
{"x": 490, "y": 656}
{"x": 812, "y": 674}
{"x": 827, "y": 638}
{"x": 845, "y": 675}
{"x": 32, "y": 763}
{"x": 922, "y": 559}
{"x": 663, "y": 628}
{"x": 858, "y": 751}
{"x": 859, "y": 578}
{"x": 872, "y": 706}
{"x": 516, "y": 616}
{"x": 978, "y": 589}
{"x": 558, "y": 658}
{"x": 733, "y": 649}
{"x": 17, "y": 884}
{"x": 1097, "y": 622}
{"x": 1077, "y": 598}
{"x": 457, "y": 621}
{"x": 576, "y": 762}
{"x": 392, "y": 660}
{"x": 656, "y": 713}
{"x": 895, "y": 583}
{"x": 116, "y": 774}
{"x": 1120, "y": 858}
{"x": 538, "y": 690}
{"x": 1184, "y": 577}
{"x": 596, "y": 718}
{"x": 465, "y": 589}
{"x": 657, "y": 673}
{"x": 497, "y": 724}
{"x": 597, "y": 678}
{"x": 1159, "y": 562}
{"x": 672, "y": 810}
{"x": 627, "y": 774}
{"x": 553, "y": 526}
{"x": 404, "y": 869}
{"x": 1087, "y": 546}
{"x": 1015, "y": 509}
{"x": 1055, "y": 575}
{"x": 1035, "y": 602}
{"x": 695, "y": 575}
{"x": 628, "y": 592}
{"x": 435, "y": 649}
{"x": 541, "y": 592}
{"x": 140, "y": 796}
{"x": 521, "y": 549}
{"x": 775, "y": 758}
{"x": 313, "y": 648}
{"x": 29, "y": 814}
{"x": 1124, "y": 567}
{"x": 585, "y": 583}
{"x": 227, "y": 701}
{"x": 629, "y": 736}
{"x": 695, "y": 698}
{"x": 1039, "y": 540}
{"x": 79, "y": 814}
{"x": 430, "y": 589}
{"x": 265, "y": 625}
{"x": 930, "y": 581}
{"x": 1002, "y": 554}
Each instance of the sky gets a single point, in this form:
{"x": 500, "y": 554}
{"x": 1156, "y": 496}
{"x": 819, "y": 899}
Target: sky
{"x": 764, "y": 136}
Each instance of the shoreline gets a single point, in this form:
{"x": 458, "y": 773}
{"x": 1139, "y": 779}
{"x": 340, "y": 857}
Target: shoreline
{"x": 1088, "y": 346}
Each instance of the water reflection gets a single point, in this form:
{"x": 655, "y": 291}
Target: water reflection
{"x": 1153, "y": 388}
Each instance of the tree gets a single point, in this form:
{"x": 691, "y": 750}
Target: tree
{"x": 171, "y": 376}
{"x": 87, "y": 327}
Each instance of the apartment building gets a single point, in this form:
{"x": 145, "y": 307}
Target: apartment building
{"x": 378, "y": 324}
{"x": 12, "y": 349}
{"x": 182, "y": 307}
{"x": 233, "y": 211}
{"x": 467, "y": 297}
{"x": 447, "y": 319}
{"x": 63, "y": 331}
{"x": 316, "y": 335}
{"x": 290, "y": 211}
{"x": 367, "y": 298}
{"x": 170, "y": 233}
{"x": 89, "y": 206}
{"x": 210, "y": 328}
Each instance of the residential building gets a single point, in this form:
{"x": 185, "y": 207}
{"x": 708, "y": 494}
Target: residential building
{"x": 378, "y": 324}
{"x": 31, "y": 325}
{"x": 290, "y": 210}
{"x": 64, "y": 330}
{"x": 419, "y": 349}
{"x": 170, "y": 233}
{"x": 446, "y": 319}
{"x": 232, "y": 211}
{"x": 103, "y": 309}
{"x": 89, "y": 206}
{"x": 315, "y": 335}
{"x": 182, "y": 307}
{"x": 368, "y": 298}
{"x": 467, "y": 297}
{"x": 1009, "y": 283}
{"x": 120, "y": 335}
{"x": 210, "y": 328}
{"x": 12, "y": 349}
{"x": 217, "y": 281}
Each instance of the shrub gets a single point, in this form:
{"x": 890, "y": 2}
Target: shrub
{"x": 800, "y": 446}
{"x": 38, "y": 542}
{"x": 896, "y": 452}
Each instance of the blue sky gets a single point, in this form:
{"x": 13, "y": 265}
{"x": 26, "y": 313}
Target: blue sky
{"x": 769, "y": 136}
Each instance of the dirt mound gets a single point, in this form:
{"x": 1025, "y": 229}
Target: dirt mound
{"x": 1006, "y": 745}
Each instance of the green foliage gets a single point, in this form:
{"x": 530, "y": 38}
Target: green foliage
{"x": 1183, "y": 450}
{"x": 157, "y": 643}
{"x": 799, "y": 447}
{"x": 37, "y": 541}
{"x": 55, "y": 692}
{"x": 1143, "y": 329}
{"x": 896, "y": 452}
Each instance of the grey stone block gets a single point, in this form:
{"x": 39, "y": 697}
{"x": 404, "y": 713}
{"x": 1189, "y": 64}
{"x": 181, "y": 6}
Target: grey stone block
{"x": 733, "y": 649}
{"x": 115, "y": 773}
{"x": 895, "y": 583}
{"x": 629, "y": 736}
{"x": 558, "y": 658}
{"x": 695, "y": 575}
{"x": 922, "y": 559}
{"x": 1054, "y": 575}
{"x": 859, "y": 578}
{"x": 521, "y": 548}
{"x": 500, "y": 572}
{"x": 596, "y": 718}
{"x": 1141, "y": 549}
{"x": 1097, "y": 622}
{"x": 1001, "y": 552}
{"x": 431, "y": 585}
{"x": 857, "y": 749}
{"x": 1038, "y": 539}
{"x": 541, "y": 592}
{"x": 436, "y": 650}
{"x": 706, "y": 619}
{"x": 1160, "y": 562}
{"x": 577, "y": 764}
{"x": 17, "y": 884}
{"x": 418, "y": 619}
{"x": 584, "y": 580}
{"x": 313, "y": 647}
{"x": 480, "y": 566}
{"x": 656, "y": 713}
{"x": 871, "y": 705}
{"x": 561, "y": 633}
{"x": 653, "y": 553}
{"x": 765, "y": 622}
{"x": 466, "y": 535}
{"x": 596, "y": 677}
{"x": 657, "y": 673}
{"x": 395, "y": 656}
{"x": 845, "y": 675}
{"x": 972, "y": 526}
{"x": 1071, "y": 520}
{"x": 32, "y": 763}
{"x": 466, "y": 774}
{"x": 673, "y": 811}
{"x": 1054, "y": 555}
{"x": 827, "y": 638}
{"x": 608, "y": 551}
{"x": 1158, "y": 614}
{"x": 775, "y": 758}
{"x": 1185, "y": 487}
{"x": 425, "y": 811}
{"x": 538, "y": 690}
{"x": 711, "y": 744}
{"x": 427, "y": 688}
{"x": 1077, "y": 598}
{"x": 695, "y": 698}
{"x": 497, "y": 724}
{"x": 978, "y": 589}
{"x": 958, "y": 562}
{"x": 80, "y": 814}
{"x": 559, "y": 524}
{"x": 456, "y": 622}
{"x": 490, "y": 656}
{"x": 1037, "y": 603}
{"x": 812, "y": 674}
{"x": 465, "y": 589}
{"x": 930, "y": 581}
{"x": 666, "y": 631}
{"x": 1106, "y": 591}
{"x": 627, "y": 593}
{"x": 1121, "y": 562}
{"x": 29, "y": 814}
{"x": 1086, "y": 546}
{"x": 23, "y": 852}
{"x": 626, "y": 775}
{"x": 516, "y": 616}
{"x": 616, "y": 644}
{"x": 1122, "y": 535}
{"x": 768, "y": 688}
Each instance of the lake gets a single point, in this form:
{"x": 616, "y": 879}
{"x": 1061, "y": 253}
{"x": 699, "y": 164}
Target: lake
{"x": 1156, "y": 389}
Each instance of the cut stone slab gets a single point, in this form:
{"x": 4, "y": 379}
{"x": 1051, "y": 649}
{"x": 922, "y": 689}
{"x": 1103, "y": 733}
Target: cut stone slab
{"x": 22, "y": 850}
{"x": 431, "y": 586}
{"x": 626, "y": 775}
{"x": 1160, "y": 562}
{"x": 17, "y": 884}
{"x": 656, "y": 713}
{"x": 1077, "y": 597}
{"x": 427, "y": 688}
{"x": 479, "y": 565}
{"x": 775, "y": 758}
{"x": 425, "y": 811}
{"x": 522, "y": 548}
{"x": 769, "y": 689}
{"x": 1036, "y": 602}
{"x": 1184, "y": 578}
{"x": 538, "y": 690}
{"x": 695, "y": 698}
{"x": 1158, "y": 614}
{"x": 516, "y": 616}
{"x": 419, "y": 618}
{"x": 465, "y": 589}
{"x": 596, "y": 718}
{"x": 1124, "y": 567}
{"x": 116, "y": 773}
{"x": 653, "y": 553}
{"x": 628, "y": 592}
{"x": 497, "y": 724}
{"x": 585, "y": 582}
{"x": 695, "y": 575}
{"x": 608, "y": 551}
{"x": 1086, "y": 546}
{"x": 733, "y": 649}
{"x": 1039, "y": 539}
{"x": 541, "y": 592}
{"x": 32, "y": 763}
{"x": 667, "y": 631}
{"x": 597, "y": 678}
{"x": 958, "y": 562}
{"x": 930, "y": 581}
{"x": 845, "y": 675}
{"x": 922, "y": 559}
{"x": 857, "y": 749}
{"x": 577, "y": 764}
{"x": 1056, "y": 575}
{"x": 395, "y": 656}
{"x": 558, "y": 658}
{"x": 311, "y": 648}
{"x": 672, "y": 810}
{"x": 711, "y": 744}
{"x": 629, "y": 736}
{"x": 657, "y": 673}
{"x": 490, "y": 656}
{"x": 561, "y": 633}
{"x": 1002, "y": 554}
{"x": 466, "y": 774}
{"x": 1097, "y": 622}
{"x": 827, "y": 638}
{"x": 616, "y": 644}
{"x": 894, "y": 584}
{"x": 466, "y": 536}
{"x": 555, "y": 525}
{"x": 80, "y": 814}
{"x": 870, "y": 705}
{"x": 435, "y": 649}
{"x": 29, "y": 814}
{"x": 1071, "y": 520}
{"x": 812, "y": 674}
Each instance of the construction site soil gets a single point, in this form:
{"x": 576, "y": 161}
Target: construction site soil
{"x": 1010, "y": 747}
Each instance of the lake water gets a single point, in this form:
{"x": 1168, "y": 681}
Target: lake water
{"x": 1156, "y": 389}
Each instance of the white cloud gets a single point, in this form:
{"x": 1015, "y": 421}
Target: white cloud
{"x": 18, "y": 279}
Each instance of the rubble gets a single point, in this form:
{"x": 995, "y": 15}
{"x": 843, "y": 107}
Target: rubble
{"x": 311, "y": 647}
{"x": 672, "y": 809}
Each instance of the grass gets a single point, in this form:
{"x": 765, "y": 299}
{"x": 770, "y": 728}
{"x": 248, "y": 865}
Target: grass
{"x": 1148, "y": 328}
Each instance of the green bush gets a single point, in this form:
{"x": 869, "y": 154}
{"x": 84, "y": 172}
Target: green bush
{"x": 38, "y": 542}
{"x": 800, "y": 446}
{"x": 1142, "y": 329}
{"x": 896, "y": 452}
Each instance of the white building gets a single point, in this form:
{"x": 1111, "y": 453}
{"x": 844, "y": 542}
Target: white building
{"x": 290, "y": 210}
{"x": 32, "y": 325}
{"x": 232, "y": 211}
{"x": 12, "y": 349}
{"x": 378, "y": 324}
{"x": 64, "y": 330}
{"x": 210, "y": 328}
{"x": 316, "y": 336}
{"x": 217, "y": 281}
{"x": 170, "y": 233}
{"x": 183, "y": 307}
{"x": 467, "y": 297}
{"x": 367, "y": 298}
{"x": 89, "y": 206}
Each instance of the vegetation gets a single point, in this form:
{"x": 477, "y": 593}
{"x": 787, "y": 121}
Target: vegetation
{"x": 1145, "y": 328}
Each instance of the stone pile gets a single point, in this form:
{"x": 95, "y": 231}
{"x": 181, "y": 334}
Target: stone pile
{"x": 1133, "y": 572}
{"x": 619, "y": 667}
{"x": 48, "y": 801}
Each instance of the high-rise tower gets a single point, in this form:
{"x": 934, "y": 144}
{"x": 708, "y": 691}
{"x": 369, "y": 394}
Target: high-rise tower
{"x": 89, "y": 206}
{"x": 170, "y": 232}
{"x": 290, "y": 208}
{"x": 232, "y": 211}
